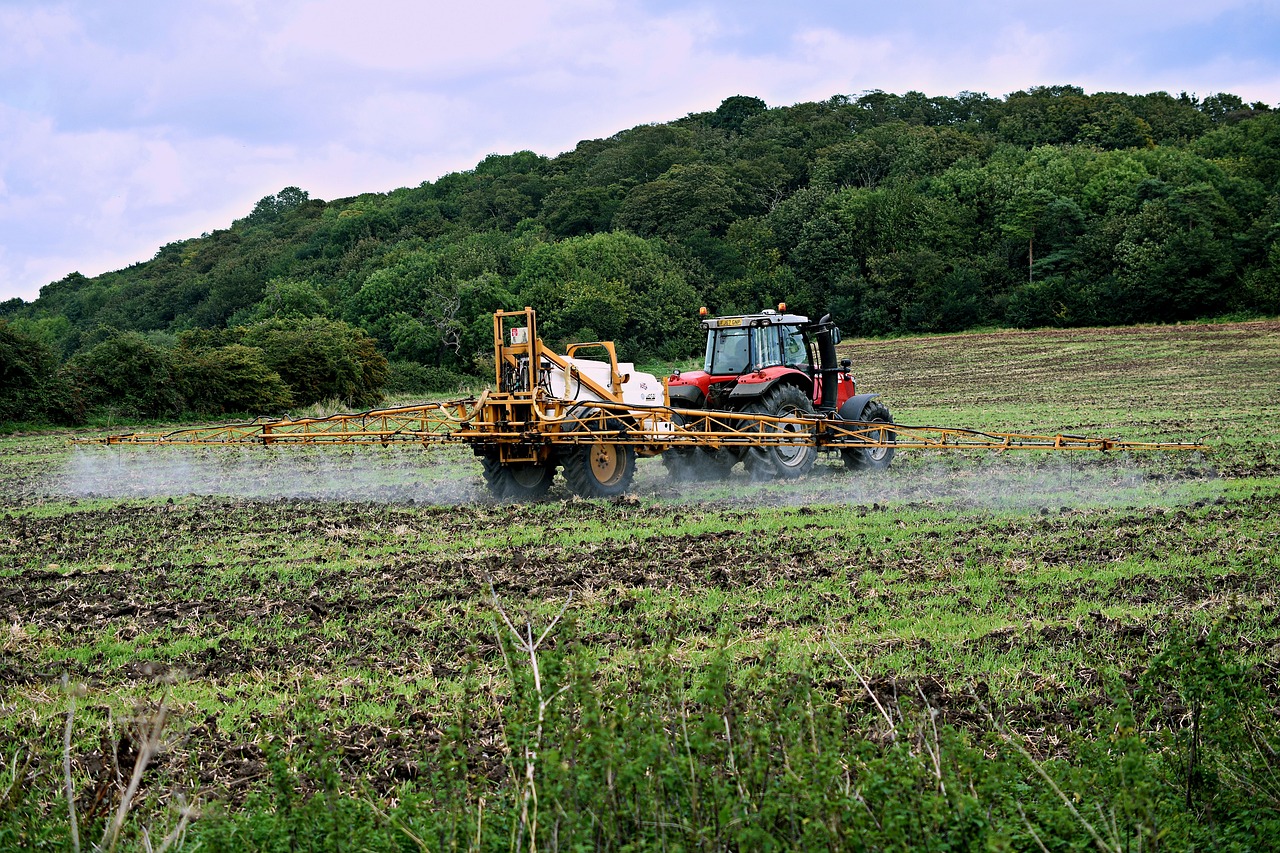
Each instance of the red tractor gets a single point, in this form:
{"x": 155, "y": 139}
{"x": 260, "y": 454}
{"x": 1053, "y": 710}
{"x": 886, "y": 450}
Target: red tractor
{"x": 778, "y": 364}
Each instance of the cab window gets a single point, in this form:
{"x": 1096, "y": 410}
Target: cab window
{"x": 768, "y": 346}
{"x": 727, "y": 352}
{"x": 793, "y": 347}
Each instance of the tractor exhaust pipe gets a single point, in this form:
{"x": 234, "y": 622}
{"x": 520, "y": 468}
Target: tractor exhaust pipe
{"x": 827, "y": 366}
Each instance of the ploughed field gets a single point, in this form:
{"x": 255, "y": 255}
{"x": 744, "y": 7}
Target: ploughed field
{"x": 1043, "y": 647}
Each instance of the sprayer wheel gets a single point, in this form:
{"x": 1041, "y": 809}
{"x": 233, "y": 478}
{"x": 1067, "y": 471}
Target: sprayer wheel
{"x": 871, "y": 458}
{"x": 517, "y": 481}
{"x": 787, "y": 461}
{"x": 600, "y": 469}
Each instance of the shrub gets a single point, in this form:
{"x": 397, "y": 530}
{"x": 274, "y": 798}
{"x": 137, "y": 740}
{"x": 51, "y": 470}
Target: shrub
{"x": 232, "y": 378}
{"x": 128, "y": 372}
{"x": 410, "y": 377}
{"x": 321, "y": 359}
{"x": 26, "y": 366}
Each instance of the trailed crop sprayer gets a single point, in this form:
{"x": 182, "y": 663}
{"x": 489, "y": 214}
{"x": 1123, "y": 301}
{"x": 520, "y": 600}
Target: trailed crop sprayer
{"x": 770, "y": 395}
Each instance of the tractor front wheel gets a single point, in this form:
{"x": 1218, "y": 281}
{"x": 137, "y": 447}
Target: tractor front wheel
{"x": 517, "y": 481}
{"x": 690, "y": 464}
{"x": 687, "y": 464}
{"x": 872, "y": 458}
{"x": 600, "y": 469}
{"x": 782, "y": 460}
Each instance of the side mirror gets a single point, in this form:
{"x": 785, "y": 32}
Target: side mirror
{"x": 835, "y": 336}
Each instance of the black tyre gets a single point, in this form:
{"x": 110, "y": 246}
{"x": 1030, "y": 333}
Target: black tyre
{"x": 517, "y": 481}
{"x": 871, "y": 458}
{"x": 782, "y": 460}
{"x": 600, "y": 469}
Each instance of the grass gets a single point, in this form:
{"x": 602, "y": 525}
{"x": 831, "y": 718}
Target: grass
{"x": 322, "y": 629}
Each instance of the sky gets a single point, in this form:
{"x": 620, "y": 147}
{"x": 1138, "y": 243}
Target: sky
{"x": 129, "y": 124}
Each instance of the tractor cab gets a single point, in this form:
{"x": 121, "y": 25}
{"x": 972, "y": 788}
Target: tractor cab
{"x": 738, "y": 345}
{"x": 749, "y": 354}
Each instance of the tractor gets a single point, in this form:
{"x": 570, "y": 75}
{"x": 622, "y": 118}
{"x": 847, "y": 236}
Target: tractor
{"x": 781, "y": 365}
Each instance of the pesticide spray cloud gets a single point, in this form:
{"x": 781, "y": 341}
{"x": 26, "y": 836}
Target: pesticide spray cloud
{"x": 451, "y": 476}
{"x": 392, "y": 474}
{"x": 1026, "y": 483}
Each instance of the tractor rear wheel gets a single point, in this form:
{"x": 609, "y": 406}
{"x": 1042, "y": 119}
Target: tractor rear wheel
{"x": 782, "y": 460}
{"x": 517, "y": 481}
{"x": 600, "y": 469}
{"x": 871, "y": 458}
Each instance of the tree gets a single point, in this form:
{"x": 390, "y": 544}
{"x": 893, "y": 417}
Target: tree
{"x": 1261, "y": 290}
{"x": 270, "y": 208}
{"x": 1250, "y": 149}
{"x": 1115, "y": 126}
{"x": 611, "y": 286}
{"x": 1044, "y": 115}
{"x": 31, "y": 388}
{"x": 1040, "y": 213}
{"x": 1223, "y": 107}
{"x": 288, "y": 297}
{"x": 641, "y": 154}
{"x": 685, "y": 199}
{"x": 570, "y": 211}
{"x": 1169, "y": 264}
{"x": 862, "y": 162}
{"x": 734, "y": 112}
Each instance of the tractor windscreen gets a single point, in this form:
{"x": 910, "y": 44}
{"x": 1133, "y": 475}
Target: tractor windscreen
{"x": 736, "y": 350}
{"x": 728, "y": 352}
{"x": 768, "y": 347}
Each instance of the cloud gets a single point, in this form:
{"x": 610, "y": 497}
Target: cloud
{"x": 442, "y": 40}
{"x": 125, "y": 130}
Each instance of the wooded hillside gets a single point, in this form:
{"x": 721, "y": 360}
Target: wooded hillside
{"x": 896, "y": 213}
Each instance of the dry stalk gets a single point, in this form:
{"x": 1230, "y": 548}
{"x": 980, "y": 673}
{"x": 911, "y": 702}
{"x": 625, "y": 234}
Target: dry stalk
{"x": 867, "y": 687}
{"x": 935, "y": 751}
{"x": 422, "y": 845}
{"x": 688, "y": 751}
{"x": 16, "y": 775}
{"x": 66, "y": 766}
{"x": 185, "y": 815}
{"x": 146, "y": 751}
{"x": 733, "y": 765}
{"x": 1010, "y": 739}
{"x": 528, "y": 645}
{"x": 1031, "y": 829}
{"x": 150, "y": 745}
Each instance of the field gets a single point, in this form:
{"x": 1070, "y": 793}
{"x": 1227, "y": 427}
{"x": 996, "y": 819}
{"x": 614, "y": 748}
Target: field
{"x": 975, "y": 651}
